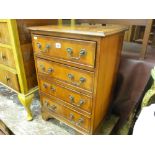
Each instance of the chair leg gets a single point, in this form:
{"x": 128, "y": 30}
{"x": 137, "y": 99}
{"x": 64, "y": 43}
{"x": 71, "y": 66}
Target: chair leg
{"x": 153, "y": 41}
{"x": 146, "y": 39}
{"x": 26, "y": 100}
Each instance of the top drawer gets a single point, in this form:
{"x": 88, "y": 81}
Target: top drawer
{"x": 77, "y": 51}
{"x": 4, "y": 33}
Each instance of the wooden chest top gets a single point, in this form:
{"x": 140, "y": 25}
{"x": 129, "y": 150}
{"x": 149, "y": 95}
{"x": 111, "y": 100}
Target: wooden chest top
{"x": 91, "y": 30}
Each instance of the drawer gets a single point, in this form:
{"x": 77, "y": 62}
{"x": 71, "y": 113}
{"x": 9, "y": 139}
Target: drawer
{"x": 78, "y": 51}
{"x": 4, "y": 33}
{"x": 6, "y": 57}
{"x": 78, "y": 77}
{"x": 66, "y": 113}
{"x": 9, "y": 79}
{"x": 74, "y": 98}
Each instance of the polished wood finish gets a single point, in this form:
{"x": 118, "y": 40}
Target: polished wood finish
{"x": 81, "y": 29}
{"x": 107, "y": 71}
{"x": 59, "y": 80}
{"x": 70, "y": 96}
{"x": 60, "y": 51}
{"x": 66, "y": 73}
{"x": 70, "y": 116}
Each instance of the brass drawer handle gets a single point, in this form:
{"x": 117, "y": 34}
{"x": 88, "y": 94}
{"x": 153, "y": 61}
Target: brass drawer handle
{"x": 3, "y": 57}
{"x": 45, "y": 85}
{"x": 70, "y": 53}
{"x": 53, "y": 89}
{"x": 80, "y": 122}
{"x": 7, "y": 79}
{"x": 70, "y": 76}
{"x": 39, "y": 45}
{"x": 71, "y": 99}
{"x": 81, "y": 80}
{"x": 51, "y": 108}
{"x": 71, "y": 117}
{"x": 42, "y": 67}
{"x": 46, "y": 48}
{"x": 81, "y": 102}
{"x": 50, "y": 70}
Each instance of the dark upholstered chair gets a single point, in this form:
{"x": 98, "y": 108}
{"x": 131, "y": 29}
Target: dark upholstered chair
{"x": 132, "y": 79}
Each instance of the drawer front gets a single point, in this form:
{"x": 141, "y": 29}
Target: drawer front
{"x": 74, "y": 98}
{"x": 78, "y": 51}
{"x": 6, "y": 57}
{"x": 70, "y": 116}
{"x": 4, "y": 33}
{"x": 72, "y": 75}
{"x": 10, "y": 79}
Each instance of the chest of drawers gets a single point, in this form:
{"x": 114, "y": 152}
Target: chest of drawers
{"x": 17, "y": 69}
{"x": 76, "y": 69}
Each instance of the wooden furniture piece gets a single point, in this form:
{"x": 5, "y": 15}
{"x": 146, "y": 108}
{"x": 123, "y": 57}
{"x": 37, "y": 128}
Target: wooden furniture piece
{"x": 16, "y": 59}
{"x": 141, "y": 22}
{"x": 76, "y": 69}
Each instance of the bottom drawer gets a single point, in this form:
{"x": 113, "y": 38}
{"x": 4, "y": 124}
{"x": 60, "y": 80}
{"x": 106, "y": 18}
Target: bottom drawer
{"x": 10, "y": 79}
{"x": 71, "y": 117}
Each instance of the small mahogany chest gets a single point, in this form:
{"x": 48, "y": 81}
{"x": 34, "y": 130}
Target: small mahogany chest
{"x": 76, "y": 69}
